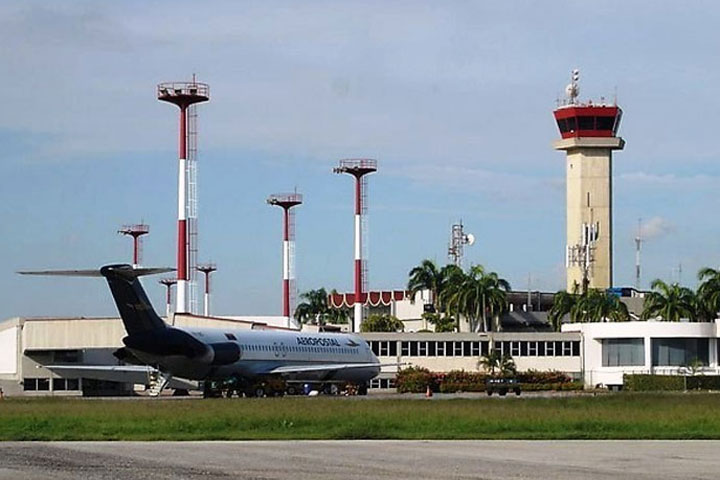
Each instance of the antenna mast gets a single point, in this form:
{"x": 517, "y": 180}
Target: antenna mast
{"x": 458, "y": 240}
{"x": 638, "y": 247}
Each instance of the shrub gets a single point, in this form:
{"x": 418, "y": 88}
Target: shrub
{"x": 670, "y": 383}
{"x": 415, "y": 380}
{"x": 653, "y": 383}
{"x": 536, "y": 377}
{"x": 462, "y": 381}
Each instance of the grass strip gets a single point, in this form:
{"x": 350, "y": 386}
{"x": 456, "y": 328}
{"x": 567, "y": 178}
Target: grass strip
{"x": 622, "y": 416}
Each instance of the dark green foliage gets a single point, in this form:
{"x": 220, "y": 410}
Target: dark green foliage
{"x": 381, "y": 323}
{"x": 670, "y": 383}
{"x": 442, "y": 323}
{"x": 670, "y": 302}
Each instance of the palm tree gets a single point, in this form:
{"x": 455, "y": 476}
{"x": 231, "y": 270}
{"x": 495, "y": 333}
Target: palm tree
{"x": 599, "y": 306}
{"x": 563, "y": 303}
{"x": 490, "y": 362}
{"x": 474, "y": 296}
{"x": 425, "y": 276}
{"x": 670, "y": 302}
{"x": 314, "y": 308}
{"x": 708, "y": 294}
{"x": 494, "y": 361}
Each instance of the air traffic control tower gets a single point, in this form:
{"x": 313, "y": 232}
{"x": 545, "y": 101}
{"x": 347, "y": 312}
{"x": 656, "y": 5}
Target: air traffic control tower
{"x": 589, "y": 136}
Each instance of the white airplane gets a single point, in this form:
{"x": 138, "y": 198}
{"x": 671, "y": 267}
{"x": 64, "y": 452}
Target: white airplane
{"x": 245, "y": 357}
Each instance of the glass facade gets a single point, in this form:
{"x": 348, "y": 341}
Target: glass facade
{"x": 623, "y": 352}
{"x": 678, "y": 352}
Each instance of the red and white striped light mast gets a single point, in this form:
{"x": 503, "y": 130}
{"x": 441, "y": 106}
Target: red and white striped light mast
{"x": 183, "y": 95}
{"x": 168, "y": 282}
{"x": 287, "y": 201}
{"x": 207, "y": 269}
{"x": 358, "y": 168}
{"x": 135, "y": 231}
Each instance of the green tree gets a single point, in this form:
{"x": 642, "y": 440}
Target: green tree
{"x": 493, "y": 361}
{"x": 563, "y": 303}
{"x": 670, "y": 302}
{"x": 478, "y": 296}
{"x": 382, "y": 323}
{"x": 599, "y": 306}
{"x": 426, "y": 276}
{"x": 442, "y": 323}
{"x": 490, "y": 362}
{"x": 708, "y": 294}
{"x": 313, "y": 308}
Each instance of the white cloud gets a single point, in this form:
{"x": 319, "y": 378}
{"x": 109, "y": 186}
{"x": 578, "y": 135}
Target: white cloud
{"x": 655, "y": 227}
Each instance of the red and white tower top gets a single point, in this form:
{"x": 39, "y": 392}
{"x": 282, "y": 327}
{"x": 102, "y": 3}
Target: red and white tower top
{"x": 287, "y": 201}
{"x": 135, "y": 231}
{"x": 359, "y": 168}
{"x": 183, "y": 95}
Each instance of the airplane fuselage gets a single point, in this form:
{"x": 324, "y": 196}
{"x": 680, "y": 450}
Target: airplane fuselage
{"x": 210, "y": 353}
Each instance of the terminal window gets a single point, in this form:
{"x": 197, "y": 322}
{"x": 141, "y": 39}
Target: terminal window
{"x": 623, "y": 352}
{"x": 678, "y": 352}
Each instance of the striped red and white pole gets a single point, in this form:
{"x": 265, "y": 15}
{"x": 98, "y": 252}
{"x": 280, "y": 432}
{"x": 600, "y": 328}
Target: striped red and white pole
{"x": 207, "y": 295}
{"x": 286, "y": 263}
{"x": 357, "y": 307}
{"x": 182, "y": 273}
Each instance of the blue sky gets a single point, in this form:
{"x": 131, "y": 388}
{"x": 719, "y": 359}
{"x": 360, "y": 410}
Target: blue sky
{"x": 453, "y": 99}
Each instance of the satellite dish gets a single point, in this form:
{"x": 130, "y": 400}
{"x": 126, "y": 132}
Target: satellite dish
{"x": 470, "y": 238}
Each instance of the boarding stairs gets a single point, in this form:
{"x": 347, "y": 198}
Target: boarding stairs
{"x": 158, "y": 381}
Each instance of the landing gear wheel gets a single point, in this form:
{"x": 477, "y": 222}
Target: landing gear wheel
{"x": 291, "y": 390}
{"x": 259, "y": 391}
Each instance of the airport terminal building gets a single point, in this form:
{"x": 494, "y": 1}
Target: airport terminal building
{"x": 596, "y": 353}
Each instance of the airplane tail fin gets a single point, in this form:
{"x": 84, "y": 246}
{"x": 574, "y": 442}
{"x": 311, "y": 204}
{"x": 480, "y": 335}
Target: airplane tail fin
{"x": 132, "y": 302}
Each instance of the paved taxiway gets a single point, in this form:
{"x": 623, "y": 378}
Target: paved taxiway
{"x": 351, "y": 460}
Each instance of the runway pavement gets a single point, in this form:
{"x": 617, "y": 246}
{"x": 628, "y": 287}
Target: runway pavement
{"x": 301, "y": 460}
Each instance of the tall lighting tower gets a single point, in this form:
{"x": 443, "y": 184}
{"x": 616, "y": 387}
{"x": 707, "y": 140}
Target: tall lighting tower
{"x": 359, "y": 168}
{"x": 207, "y": 269}
{"x": 168, "y": 283}
{"x": 287, "y": 201}
{"x": 136, "y": 232}
{"x": 589, "y": 136}
{"x": 185, "y": 95}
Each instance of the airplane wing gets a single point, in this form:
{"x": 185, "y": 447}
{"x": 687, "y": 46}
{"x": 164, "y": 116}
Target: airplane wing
{"x": 118, "y": 373}
{"x": 330, "y": 367}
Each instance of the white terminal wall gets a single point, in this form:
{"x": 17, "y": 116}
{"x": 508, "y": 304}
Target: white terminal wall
{"x": 594, "y": 333}
{"x": 8, "y": 351}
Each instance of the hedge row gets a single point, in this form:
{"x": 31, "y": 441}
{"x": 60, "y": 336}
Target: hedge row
{"x": 417, "y": 379}
{"x": 669, "y": 383}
